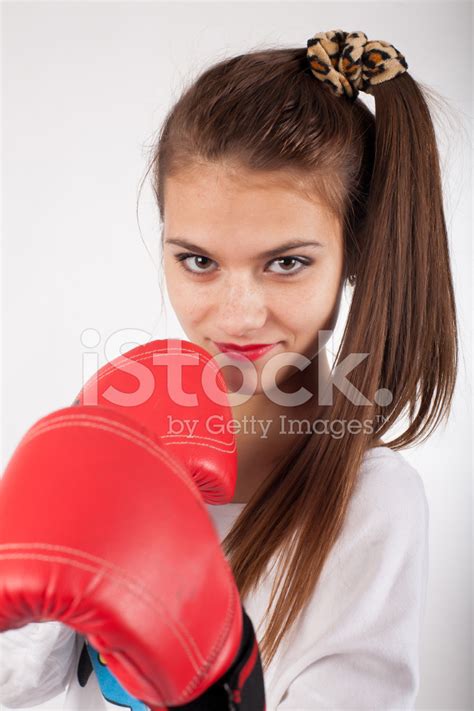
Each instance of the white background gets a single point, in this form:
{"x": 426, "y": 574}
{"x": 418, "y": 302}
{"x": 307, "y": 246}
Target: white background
{"x": 85, "y": 88}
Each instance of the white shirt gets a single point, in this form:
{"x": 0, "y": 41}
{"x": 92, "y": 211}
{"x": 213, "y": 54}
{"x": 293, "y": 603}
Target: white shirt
{"x": 354, "y": 646}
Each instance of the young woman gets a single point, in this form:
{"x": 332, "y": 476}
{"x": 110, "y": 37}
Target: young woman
{"x": 278, "y": 188}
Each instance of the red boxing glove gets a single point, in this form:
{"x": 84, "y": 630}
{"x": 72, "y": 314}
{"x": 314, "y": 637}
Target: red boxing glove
{"x": 103, "y": 530}
{"x": 162, "y": 383}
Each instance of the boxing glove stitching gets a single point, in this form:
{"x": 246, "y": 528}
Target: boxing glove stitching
{"x": 113, "y": 571}
{"x": 137, "y": 438}
{"x": 122, "y": 576}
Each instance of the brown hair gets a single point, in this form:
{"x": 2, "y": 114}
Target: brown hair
{"x": 265, "y": 111}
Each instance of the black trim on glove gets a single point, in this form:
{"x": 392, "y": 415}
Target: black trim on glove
{"x": 241, "y": 688}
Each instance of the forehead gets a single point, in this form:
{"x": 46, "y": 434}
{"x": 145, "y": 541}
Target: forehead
{"x": 225, "y": 182}
{"x": 208, "y": 202}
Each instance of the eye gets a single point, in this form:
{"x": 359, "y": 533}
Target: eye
{"x": 295, "y": 260}
{"x": 184, "y": 256}
{"x": 201, "y": 262}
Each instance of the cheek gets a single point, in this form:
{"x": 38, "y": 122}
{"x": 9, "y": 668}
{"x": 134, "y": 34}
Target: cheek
{"x": 310, "y": 300}
{"x": 315, "y": 304}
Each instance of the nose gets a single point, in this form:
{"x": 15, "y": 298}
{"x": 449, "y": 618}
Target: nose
{"x": 242, "y": 307}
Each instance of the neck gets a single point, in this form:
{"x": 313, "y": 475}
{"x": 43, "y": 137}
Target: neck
{"x": 260, "y": 442}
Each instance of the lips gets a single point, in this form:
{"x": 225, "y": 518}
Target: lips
{"x": 252, "y": 351}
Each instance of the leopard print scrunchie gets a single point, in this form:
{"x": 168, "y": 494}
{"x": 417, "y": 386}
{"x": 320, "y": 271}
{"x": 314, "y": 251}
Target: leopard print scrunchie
{"x": 347, "y": 62}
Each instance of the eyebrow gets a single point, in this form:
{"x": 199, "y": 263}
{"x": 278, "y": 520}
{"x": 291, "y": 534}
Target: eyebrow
{"x": 268, "y": 253}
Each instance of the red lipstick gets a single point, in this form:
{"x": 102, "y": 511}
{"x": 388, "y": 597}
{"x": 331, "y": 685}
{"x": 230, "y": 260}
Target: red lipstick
{"x": 251, "y": 351}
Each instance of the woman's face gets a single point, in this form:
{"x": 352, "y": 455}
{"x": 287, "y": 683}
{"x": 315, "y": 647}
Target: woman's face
{"x": 229, "y": 277}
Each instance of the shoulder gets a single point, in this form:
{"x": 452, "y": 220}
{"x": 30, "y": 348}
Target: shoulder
{"x": 388, "y": 506}
{"x": 389, "y": 483}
